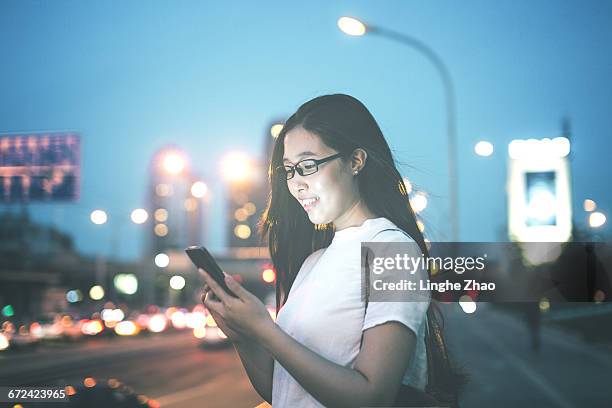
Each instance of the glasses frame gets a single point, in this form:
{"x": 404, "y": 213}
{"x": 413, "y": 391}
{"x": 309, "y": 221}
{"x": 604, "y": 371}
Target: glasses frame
{"x": 295, "y": 167}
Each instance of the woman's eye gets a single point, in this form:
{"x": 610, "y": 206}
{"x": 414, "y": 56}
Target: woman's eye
{"x": 309, "y": 166}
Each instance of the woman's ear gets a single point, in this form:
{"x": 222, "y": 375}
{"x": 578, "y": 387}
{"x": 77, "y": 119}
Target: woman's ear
{"x": 358, "y": 160}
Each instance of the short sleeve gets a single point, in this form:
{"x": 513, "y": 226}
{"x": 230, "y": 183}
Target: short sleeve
{"x": 412, "y": 309}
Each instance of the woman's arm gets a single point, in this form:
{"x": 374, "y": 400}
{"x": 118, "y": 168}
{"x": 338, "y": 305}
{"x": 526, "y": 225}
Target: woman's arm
{"x": 379, "y": 367}
{"x": 374, "y": 380}
{"x": 259, "y": 366}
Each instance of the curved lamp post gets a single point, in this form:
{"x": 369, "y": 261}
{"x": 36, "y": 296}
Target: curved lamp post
{"x": 354, "y": 27}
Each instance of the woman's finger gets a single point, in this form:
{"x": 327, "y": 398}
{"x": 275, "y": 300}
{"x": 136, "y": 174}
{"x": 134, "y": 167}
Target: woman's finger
{"x": 212, "y": 305}
{"x": 217, "y": 290}
{"x": 236, "y": 288}
{"x": 208, "y": 292}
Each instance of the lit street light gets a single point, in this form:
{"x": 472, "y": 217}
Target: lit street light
{"x": 351, "y": 26}
{"x": 589, "y": 205}
{"x": 173, "y": 163}
{"x": 162, "y": 260}
{"x": 483, "y": 148}
{"x": 98, "y": 217}
{"x": 199, "y": 189}
{"x": 139, "y": 216}
{"x": 177, "y": 282}
{"x": 597, "y": 219}
{"x": 96, "y": 292}
{"x": 354, "y": 27}
{"x": 236, "y": 167}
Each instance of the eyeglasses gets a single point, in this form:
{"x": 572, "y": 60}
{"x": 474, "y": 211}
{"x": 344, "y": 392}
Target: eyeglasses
{"x": 306, "y": 167}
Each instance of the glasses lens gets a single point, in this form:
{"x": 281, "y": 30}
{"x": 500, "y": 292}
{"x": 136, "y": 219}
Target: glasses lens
{"x": 308, "y": 167}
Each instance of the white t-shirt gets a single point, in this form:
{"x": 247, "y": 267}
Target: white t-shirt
{"x": 325, "y": 312}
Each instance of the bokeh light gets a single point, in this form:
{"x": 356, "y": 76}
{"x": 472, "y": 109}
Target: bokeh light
{"x": 98, "y": 217}
{"x": 139, "y": 216}
{"x": 236, "y": 167}
{"x": 161, "y": 215}
{"x": 173, "y": 163}
{"x": 74, "y": 296}
{"x": 242, "y": 231}
{"x": 589, "y": 205}
{"x": 199, "y": 189}
{"x": 467, "y": 304}
{"x": 276, "y": 129}
{"x": 177, "y": 282}
{"x": 126, "y": 283}
{"x": 596, "y": 219}
{"x": 162, "y": 260}
{"x": 96, "y": 292}
{"x": 268, "y": 275}
{"x": 161, "y": 230}
{"x": 418, "y": 202}
{"x": 483, "y": 148}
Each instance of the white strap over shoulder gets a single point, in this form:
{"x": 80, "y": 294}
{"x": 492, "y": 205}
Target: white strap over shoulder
{"x": 390, "y": 229}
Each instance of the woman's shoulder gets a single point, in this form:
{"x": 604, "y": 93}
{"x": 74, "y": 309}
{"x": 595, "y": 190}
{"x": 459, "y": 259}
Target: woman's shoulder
{"x": 387, "y": 231}
{"x": 313, "y": 257}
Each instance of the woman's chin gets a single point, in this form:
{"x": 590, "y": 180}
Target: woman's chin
{"x": 318, "y": 219}
{"x": 315, "y": 218}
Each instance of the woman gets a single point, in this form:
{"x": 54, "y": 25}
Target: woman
{"x": 334, "y": 185}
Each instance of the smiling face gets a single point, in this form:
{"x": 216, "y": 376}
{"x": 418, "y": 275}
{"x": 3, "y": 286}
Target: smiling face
{"x": 328, "y": 194}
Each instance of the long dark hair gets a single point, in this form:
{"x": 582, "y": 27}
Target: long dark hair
{"x": 344, "y": 124}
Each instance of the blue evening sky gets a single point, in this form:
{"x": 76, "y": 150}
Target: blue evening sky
{"x": 133, "y": 76}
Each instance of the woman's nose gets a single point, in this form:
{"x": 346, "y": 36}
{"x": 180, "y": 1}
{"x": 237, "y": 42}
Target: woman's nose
{"x": 299, "y": 183}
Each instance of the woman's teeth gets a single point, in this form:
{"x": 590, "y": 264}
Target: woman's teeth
{"x": 309, "y": 202}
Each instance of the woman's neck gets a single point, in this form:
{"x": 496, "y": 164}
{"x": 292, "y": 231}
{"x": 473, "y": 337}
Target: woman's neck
{"x": 354, "y": 216}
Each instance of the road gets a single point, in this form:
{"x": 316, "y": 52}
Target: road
{"x": 493, "y": 347}
{"x": 171, "y": 368}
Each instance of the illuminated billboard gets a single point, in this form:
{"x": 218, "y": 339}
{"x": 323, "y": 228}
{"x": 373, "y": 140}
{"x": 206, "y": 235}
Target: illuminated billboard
{"x": 539, "y": 190}
{"x": 41, "y": 166}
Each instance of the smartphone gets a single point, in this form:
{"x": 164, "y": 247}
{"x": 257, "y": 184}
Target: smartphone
{"x": 203, "y": 259}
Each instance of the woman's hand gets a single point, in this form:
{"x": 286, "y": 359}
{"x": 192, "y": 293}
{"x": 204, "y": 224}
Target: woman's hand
{"x": 232, "y": 335}
{"x": 245, "y": 316}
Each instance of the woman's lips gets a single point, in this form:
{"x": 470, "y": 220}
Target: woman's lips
{"x": 309, "y": 203}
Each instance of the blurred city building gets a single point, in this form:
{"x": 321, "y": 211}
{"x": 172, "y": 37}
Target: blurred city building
{"x": 248, "y": 193}
{"x": 177, "y": 201}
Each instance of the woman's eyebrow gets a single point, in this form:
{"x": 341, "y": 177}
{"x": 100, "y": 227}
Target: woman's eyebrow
{"x": 306, "y": 153}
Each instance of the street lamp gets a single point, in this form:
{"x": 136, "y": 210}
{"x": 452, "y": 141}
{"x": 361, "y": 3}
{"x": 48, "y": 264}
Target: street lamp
{"x": 355, "y": 27}
{"x": 352, "y": 26}
{"x": 139, "y": 216}
{"x": 236, "y": 167}
{"x": 162, "y": 260}
{"x": 483, "y": 148}
{"x": 589, "y": 205}
{"x": 173, "y": 163}
{"x": 199, "y": 189}
{"x": 597, "y": 219}
{"x": 98, "y": 217}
